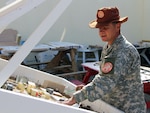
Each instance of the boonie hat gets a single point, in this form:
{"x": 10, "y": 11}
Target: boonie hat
{"x": 106, "y": 15}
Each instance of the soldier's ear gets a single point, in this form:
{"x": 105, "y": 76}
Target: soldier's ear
{"x": 118, "y": 25}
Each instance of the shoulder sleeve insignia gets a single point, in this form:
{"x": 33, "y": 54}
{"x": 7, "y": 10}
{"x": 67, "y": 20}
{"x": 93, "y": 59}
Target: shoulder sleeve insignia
{"x": 107, "y": 67}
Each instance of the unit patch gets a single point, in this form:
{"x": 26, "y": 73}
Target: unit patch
{"x": 107, "y": 67}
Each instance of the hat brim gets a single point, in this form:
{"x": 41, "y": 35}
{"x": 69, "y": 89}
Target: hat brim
{"x": 95, "y": 24}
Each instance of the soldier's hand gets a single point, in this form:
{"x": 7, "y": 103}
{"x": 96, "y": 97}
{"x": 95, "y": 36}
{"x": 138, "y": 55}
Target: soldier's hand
{"x": 79, "y": 87}
{"x": 70, "y": 101}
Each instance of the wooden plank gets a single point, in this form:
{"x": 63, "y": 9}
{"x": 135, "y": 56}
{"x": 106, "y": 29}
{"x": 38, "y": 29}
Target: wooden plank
{"x": 73, "y": 60}
{"x": 71, "y": 73}
{"x": 145, "y": 40}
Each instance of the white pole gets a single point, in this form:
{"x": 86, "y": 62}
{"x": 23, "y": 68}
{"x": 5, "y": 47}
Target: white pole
{"x": 16, "y": 9}
{"x": 10, "y": 7}
{"x": 35, "y": 37}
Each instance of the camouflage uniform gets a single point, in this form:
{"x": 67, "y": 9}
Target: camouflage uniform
{"x": 120, "y": 84}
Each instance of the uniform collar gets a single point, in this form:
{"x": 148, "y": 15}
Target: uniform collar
{"x": 116, "y": 42}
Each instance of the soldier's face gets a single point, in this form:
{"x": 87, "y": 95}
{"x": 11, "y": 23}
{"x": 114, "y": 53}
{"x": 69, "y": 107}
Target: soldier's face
{"x": 109, "y": 32}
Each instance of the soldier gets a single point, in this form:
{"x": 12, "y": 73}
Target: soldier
{"x": 119, "y": 81}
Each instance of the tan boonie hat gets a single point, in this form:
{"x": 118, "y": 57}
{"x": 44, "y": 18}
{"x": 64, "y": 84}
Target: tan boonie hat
{"x": 105, "y": 16}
